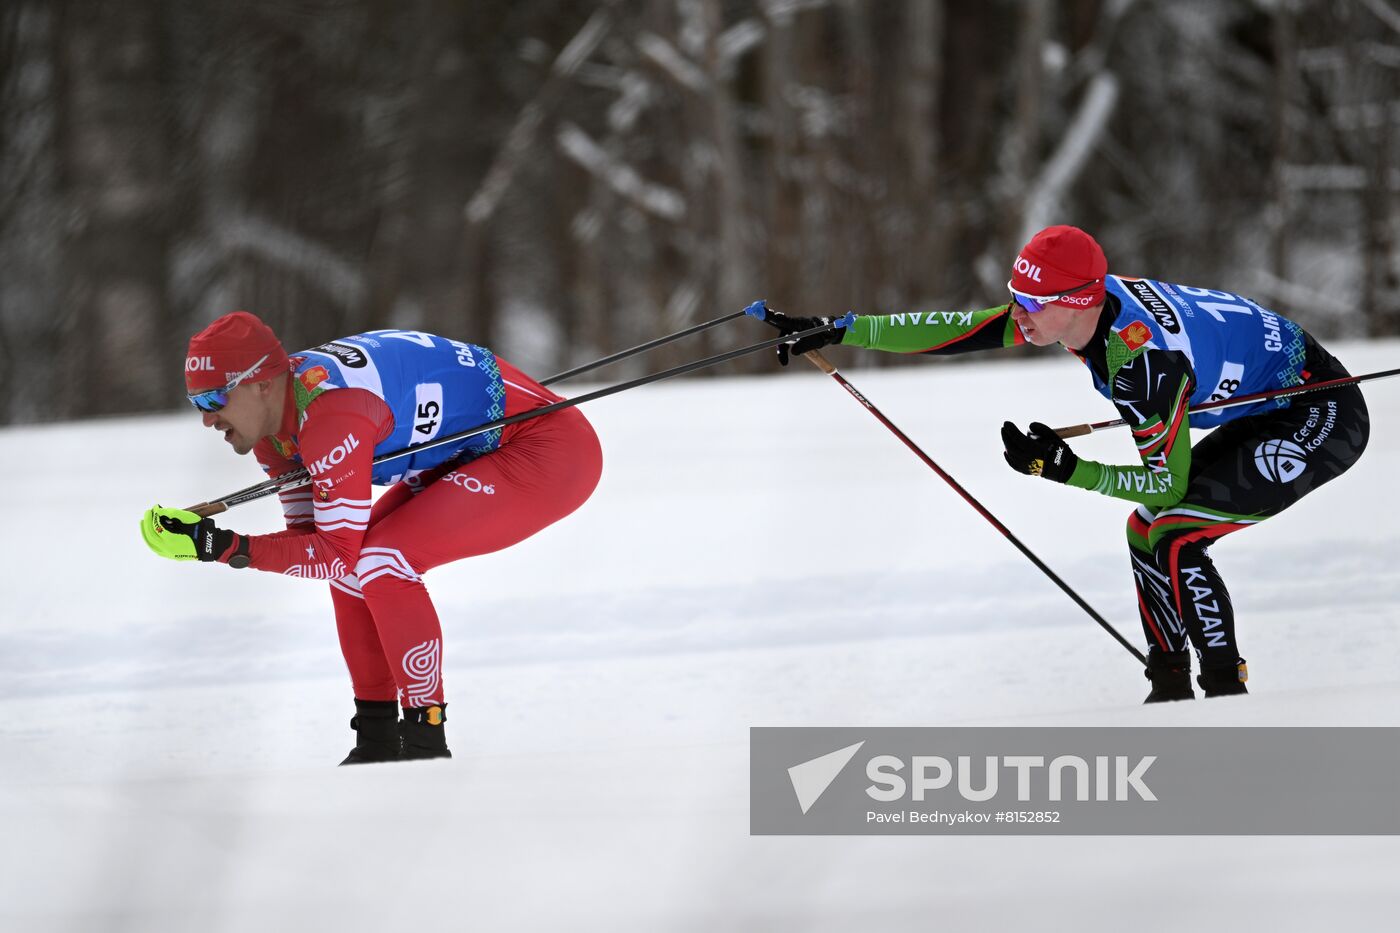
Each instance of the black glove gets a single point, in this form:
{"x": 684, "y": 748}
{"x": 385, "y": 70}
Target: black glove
{"x": 1039, "y": 453}
{"x": 787, "y": 324}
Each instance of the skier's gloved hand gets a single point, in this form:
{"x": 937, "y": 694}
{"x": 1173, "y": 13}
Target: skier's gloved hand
{"x": 182, "y": 535}
{"x": 1040, "y": 452}
{"x": 786, "y": 324}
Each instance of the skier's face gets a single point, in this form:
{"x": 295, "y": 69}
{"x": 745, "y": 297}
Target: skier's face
{"x": 1055, "y": 323}
{"x": 245, "y": 419}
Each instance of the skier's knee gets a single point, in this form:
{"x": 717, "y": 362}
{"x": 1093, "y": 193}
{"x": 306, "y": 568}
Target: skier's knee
{"x": 1162, "y": 537}
{"x": 1139, "y": 523}
{"x": 384, "y": 566}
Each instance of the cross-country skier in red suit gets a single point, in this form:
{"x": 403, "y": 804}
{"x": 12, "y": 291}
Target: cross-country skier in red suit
{"x": 332, "y": 410}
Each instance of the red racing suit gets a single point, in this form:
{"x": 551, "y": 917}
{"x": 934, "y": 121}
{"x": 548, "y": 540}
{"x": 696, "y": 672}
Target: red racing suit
{"x": 374, "y": 554}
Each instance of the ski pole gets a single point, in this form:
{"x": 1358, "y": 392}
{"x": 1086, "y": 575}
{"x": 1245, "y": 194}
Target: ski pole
{"x": 296, "y": 478}
{"x": 825, "y": 366}
{"x": 639, "y": 348}
{"x": 1078, "y": 430}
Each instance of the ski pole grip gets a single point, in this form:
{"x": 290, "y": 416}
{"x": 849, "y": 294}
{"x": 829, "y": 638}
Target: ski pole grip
{"x": 1075, "y": 430}
{"x": 207, "y": 509}
{"x": 816, "y": 359}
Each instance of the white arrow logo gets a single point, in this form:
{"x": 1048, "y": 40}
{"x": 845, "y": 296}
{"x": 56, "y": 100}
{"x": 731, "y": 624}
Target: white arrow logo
{"x": 811, "y": 778}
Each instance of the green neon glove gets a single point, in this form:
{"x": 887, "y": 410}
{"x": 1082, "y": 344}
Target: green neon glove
{"x": 182, "y": 535}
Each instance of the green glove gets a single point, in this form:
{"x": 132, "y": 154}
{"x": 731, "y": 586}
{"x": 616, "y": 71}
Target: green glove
{"x": 182, "y": 535}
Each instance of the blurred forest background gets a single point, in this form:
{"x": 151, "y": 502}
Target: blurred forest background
{"x": 559, "y": 179}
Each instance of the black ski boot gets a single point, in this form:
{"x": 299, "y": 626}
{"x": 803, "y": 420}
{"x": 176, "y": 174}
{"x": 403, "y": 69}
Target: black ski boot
{"x": 423, "y": 735}
{"x": 376, "y": 726}
{"x": 1170, "y": 673}
{"x": 1224, "y": 681}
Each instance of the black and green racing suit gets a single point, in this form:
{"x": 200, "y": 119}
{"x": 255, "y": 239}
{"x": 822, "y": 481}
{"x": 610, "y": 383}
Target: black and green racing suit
{"x": 1187, "y": 497}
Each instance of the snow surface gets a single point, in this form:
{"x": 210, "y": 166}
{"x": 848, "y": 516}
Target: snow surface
{"x": 760, "y": 552}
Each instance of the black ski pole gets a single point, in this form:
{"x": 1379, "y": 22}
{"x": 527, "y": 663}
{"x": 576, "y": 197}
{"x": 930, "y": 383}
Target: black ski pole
{"x": 825, "y": 366}
{"x": 639, "y": 348}
{"x": 295, "y": 478}
{"x": 1078, "y": 430}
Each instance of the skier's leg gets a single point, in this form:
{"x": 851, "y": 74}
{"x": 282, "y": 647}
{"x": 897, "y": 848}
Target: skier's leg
{"x": 370, "y": 674}
{"x": 359, "y": 643}
{"x": 1201, "y": 597}
{"x": 493, "y": 502}
{"x": 1168, "y": 662}
{"x": 1247, "y": 471}
{"x": 1156, "y": 608}
{"x": 376, "y": 720}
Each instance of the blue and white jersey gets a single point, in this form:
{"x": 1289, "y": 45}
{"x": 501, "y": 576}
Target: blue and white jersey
{"x": 434, "y": 387}
{"x": 1234, "y": 345}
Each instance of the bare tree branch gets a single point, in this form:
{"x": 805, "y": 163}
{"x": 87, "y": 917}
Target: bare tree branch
{"x": 1085, "y": 130}
{"x": 522, "y": 135}
{"x": 655, "y": 199}
{"x": 1384, "y": 13}
{"x": 670, "y": 60}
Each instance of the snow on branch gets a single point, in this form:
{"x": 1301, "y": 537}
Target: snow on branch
{"x": 730, "y": 45}
{"x": 1334, "y": 58}
{"x": 581, "y": 45}
{"x": 1333, "y": 177}
{"x": 636, "y": 95}
{"x": 782, "y": 11}
{"x": 513, "y": 151}
{"x": 1382, "y": 11}
{"x": 669, "y": 59}
{"x": 1047, "y": 194}
{"x": 655, "y": 199}
{"x": 502, "y": 172}
{"x": 277, "y": 245}
{"x": 1275, "y": 289}
{"x": 737, "y": 40}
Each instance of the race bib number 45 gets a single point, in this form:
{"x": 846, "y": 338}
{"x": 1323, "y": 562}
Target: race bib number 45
{"x": 427, "y": 413}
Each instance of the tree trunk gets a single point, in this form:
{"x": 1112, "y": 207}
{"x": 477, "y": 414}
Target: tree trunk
{"x": 1284, "y": 101}
{"x": 114, "y": 167}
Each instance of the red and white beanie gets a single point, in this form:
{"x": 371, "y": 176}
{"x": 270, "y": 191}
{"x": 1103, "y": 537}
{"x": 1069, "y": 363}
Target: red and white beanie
{"x": 1057, "y": 260}
{"x": 229, "y": 346}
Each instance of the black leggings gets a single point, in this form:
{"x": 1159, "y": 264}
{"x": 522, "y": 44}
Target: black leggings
{"x": 1242, "y": 473}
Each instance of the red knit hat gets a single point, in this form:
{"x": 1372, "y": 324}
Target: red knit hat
{"x": 229, "y": 346}
{"x": 1060, "y": 259}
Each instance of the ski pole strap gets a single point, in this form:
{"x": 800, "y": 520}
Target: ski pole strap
{"x": 1078, "y": 430}
{"x": 296, "y": 478}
